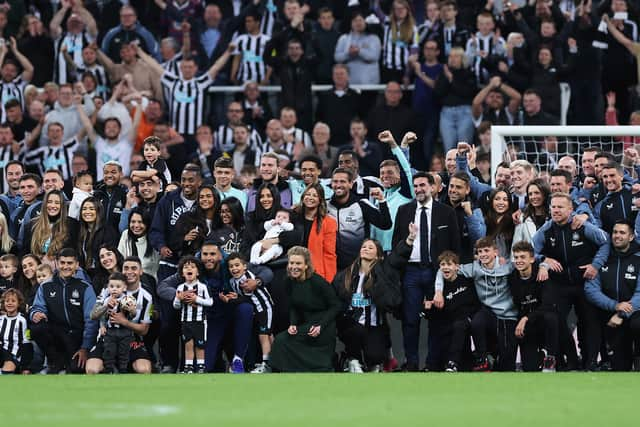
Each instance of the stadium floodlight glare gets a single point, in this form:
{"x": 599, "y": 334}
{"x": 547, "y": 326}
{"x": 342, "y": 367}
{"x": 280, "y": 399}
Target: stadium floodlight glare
{"x": 531, "y": 142}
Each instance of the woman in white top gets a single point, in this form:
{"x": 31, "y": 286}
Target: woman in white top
{"x": 134, "y": 241}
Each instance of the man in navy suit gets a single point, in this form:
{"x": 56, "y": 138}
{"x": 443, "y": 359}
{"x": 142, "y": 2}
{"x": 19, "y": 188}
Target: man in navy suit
{"x": 437, "y": 231}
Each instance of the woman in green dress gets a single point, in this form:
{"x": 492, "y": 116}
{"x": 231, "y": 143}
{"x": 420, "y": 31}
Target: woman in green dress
{"x": 309, "y": 343}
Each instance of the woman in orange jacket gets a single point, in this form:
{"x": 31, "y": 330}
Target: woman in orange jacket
{"x": 320, "y": 231}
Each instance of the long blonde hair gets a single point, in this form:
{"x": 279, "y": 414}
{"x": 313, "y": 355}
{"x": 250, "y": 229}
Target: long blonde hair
{"x": 406, "y": 27}
{"x": 6, "y": 242}
{"x": 43, "y": 229}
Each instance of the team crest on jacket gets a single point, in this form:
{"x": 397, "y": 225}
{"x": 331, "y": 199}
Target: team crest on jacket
{"x": 553, "y": 241}
{"x": 604, "y": 269}
{"x": 575, "y": 236}
{"x": 631, "y": 269}
{"x": 609, "y": 206}
{"x": 75, "y": 294}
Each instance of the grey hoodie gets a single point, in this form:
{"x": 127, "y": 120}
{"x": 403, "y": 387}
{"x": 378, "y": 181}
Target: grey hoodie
{"x": 492, "y": 286}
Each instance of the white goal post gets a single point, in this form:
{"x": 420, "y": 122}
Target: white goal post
{"x": 529, "y": 142}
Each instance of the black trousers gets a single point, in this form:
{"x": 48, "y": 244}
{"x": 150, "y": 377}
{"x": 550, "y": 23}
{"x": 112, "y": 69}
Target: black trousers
{"x": 169, "y": 339}
{"x": 485, "y": 326}
{"x": 59, "y": 344}
{"x": 117, "y": 343}
{"x": 541, "y": 331}
{"x": 367, "y": 344}
{"x": 572, "y": 296}
{"x": 623, "y": 341}
{"x": 456, "y": 338}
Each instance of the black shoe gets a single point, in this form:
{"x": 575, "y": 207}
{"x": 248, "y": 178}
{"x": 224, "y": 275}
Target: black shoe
{"x": 188, "y": 369}
{"x": 200, "y": 369}
{"x": 636, "y": 364}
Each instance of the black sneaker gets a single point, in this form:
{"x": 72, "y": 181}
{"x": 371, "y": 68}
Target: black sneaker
{"x": 188, "y": 369}
{"x": 549, "y": 364}
{"x": 482, "y": 365}
{"x": 636, "y": 364}
{"x": 451, "y": 366}
{"x": 200, "y": 369}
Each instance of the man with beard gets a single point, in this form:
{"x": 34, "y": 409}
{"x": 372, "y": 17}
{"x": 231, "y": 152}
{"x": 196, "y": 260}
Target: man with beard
{"x": 144, "y": 196}
{"x": 235, "y": 319}
{"x": 488, "y": 105}
{"x": 111, "y": 193}
{"x": 13, "y": 170}
{"x": 438, "y": 232}
{"x": 470, "y": 221}
{"x": 615, "y": 291}
{"x": 168, "y": 211}
{"x": 113, "y": 146}
{"x": 139, "y": 324}
{"x": 354, "y": 217}
{"x": 269, "y": 173}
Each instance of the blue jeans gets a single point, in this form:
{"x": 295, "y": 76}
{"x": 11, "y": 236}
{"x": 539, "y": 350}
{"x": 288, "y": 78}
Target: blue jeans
{"x": 455, "y": 126}
{"x": 418, "y": 282}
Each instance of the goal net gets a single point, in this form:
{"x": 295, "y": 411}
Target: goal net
{"x": 544, "y": 146}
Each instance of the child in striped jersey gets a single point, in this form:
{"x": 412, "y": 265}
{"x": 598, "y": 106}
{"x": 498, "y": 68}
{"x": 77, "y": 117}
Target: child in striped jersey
{"x": 262, "y": 304}
{"x": 16, "y": 350}
{"x": 116, "y": 339}
{"x": 191, "y": 298}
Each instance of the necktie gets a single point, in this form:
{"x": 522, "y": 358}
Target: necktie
{"x": 424, "y": 237}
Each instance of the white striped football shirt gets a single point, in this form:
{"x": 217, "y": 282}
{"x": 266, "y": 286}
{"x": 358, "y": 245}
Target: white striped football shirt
{"x": 251, "y": 49}
{"x": 7, "y": 155}
{"x": 75, "y": 44}
{"x": 98, "y": 71}
{"x": 187, "y": 101}
{"x": 260, "y": 297}
{"x": 269, "y": 18}
{"x": 224, "y": 138}
{"x": 395, "y": 53}
{"x": 59, "y": 157}
{"x": 299, "y": 135}
{"x": 189, "y": 313}
{"x": 13, "y": 333}
{"x": 11, "y": 90}
{"x": 266, "y": 147}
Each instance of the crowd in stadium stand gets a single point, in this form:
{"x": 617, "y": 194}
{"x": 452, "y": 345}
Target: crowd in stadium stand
{"x": 153, "y": 222}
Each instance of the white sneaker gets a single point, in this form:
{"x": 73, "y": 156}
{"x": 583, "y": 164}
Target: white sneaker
{"x": 261, "y": 368}
{"x": 376, "y": 368}
{"x": 355, "y": 367}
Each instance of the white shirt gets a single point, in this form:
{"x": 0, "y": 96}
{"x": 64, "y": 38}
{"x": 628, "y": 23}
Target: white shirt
{"x": 415, "y": 252}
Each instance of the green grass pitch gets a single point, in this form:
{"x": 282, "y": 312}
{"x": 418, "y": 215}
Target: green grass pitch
{"x": 306, "y": 400}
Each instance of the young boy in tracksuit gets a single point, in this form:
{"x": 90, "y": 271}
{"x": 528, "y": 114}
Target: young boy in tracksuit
{"x": 538, "y": 319}
{"x": 460, "y": 304}
{"x": 496, "y": 319}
